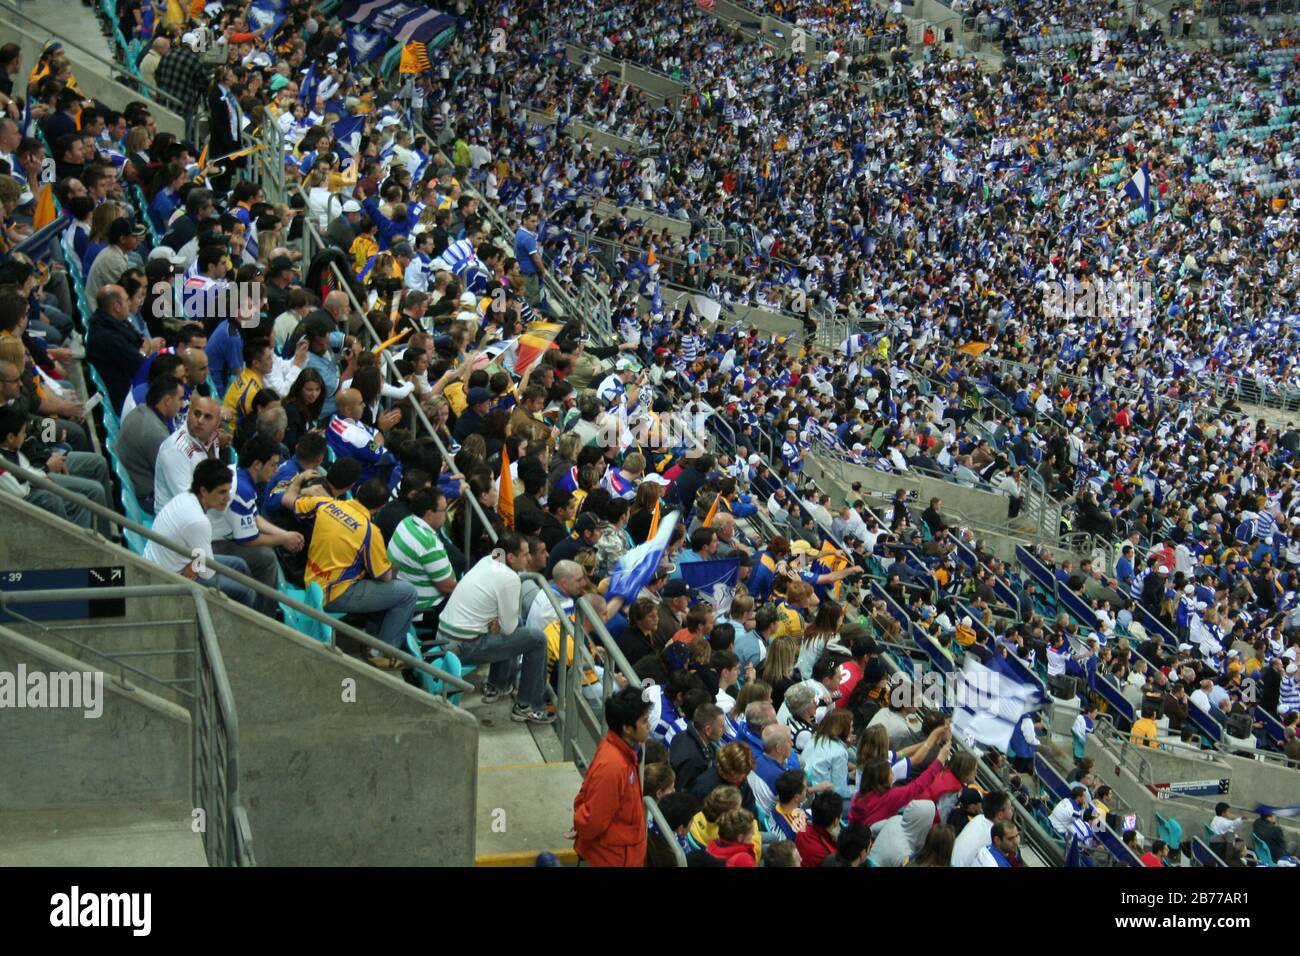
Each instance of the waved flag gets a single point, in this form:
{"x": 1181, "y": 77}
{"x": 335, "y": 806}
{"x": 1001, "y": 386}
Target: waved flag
{"x": 364, "y": 46}
{"x": 635, "y": 569}
{"x": 269, "y": 14}
{"x": 991, "y": 701}
{"x": 1138, "y": 188}
{"x": 506, "y": 493}
{"x": 716, "y": 579}
{"x": 308, "y": 87}
{"x": 398, "y": 19}
{"x": 347, "y": 135}
{"x": 537, "y": 338}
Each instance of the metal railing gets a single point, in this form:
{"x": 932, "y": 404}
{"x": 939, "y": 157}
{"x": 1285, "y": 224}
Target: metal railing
{"x": 449, "y": 683}
{"x": 117, "y": 72}
{"x": 214, "y": 721}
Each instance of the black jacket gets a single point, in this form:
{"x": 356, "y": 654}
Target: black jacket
{"x": 688, "y": 484}
{"x": 113, "y": 349}
{"x": 710, "y": 780}
{"x": 553, "y": 530}
{"x": 690, "y": 757}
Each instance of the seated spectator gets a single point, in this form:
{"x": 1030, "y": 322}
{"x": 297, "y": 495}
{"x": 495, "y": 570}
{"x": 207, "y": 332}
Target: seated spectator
{"x": 13, "y": 433}
{"x": 184, "y": 519}
{"x": 878, "y": 799}
{"x": 695, "y": 751}
{"x": 1003, "y": 848}
{"x": 902, "y": 836}
{"x": 852, "y": 848}
{"x": 113, "y": 346}
{"x": 733, "y": 843}
{"x": 482, "y": 617}
{"x": 143, "y": 431}
{"x": 346, "y": 558}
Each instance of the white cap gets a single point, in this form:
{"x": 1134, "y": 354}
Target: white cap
{"x": 1233, "y": 653}
{"x": 967, "y": 622}
{"x": 352, "y": 206}
{"x": 191, "y": 40}
{"x": 469, "y": 298}
{"x": 1162, "y": 570}
{"x": 388, "y": 121}
{"x": 656, "y": 479}
{"x": 1184, "y": 647}
{"x": 1190, "y": 589}
{"x": 755, "y": 460}
{"x": 1290, "y": 668}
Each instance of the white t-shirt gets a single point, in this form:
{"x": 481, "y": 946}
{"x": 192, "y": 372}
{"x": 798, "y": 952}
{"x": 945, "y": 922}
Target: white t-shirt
{"x": 974, "y": 836}
{"x": 173, "y": 471}
{"x": 183, "y": 519}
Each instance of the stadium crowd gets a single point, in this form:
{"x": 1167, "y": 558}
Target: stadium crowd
{"x": 271, "y": 434}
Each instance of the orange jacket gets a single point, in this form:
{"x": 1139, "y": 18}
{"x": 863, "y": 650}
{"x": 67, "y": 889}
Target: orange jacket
{"x": 608, "y": 814}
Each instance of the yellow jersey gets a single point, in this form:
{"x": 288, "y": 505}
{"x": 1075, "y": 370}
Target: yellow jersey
{"x": 241, "y": 391}
{"x": 345, "y": 546}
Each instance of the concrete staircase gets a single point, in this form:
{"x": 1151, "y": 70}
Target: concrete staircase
{"x": 525, "y": 791}
{"x": 85, "y": 790}
{"x": 160, "y": 833}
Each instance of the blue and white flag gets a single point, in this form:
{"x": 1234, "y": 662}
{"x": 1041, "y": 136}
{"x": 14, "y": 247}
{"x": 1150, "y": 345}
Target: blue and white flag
{"x": 635, "y": 569}
{"x": 716, "y": 580}
{"x": 1292, "y": 811}
{"x": 1138, "y": 188}
{"x": 1074, "y": 857}
{"x": 267, "y": 13}
{"x": 364, "y": 46}
{"x": 855, "y": 344}
{"x": 991, "y": 700}
{"x": 308, "y": 87}
{"x": 403, "y": 21}
{"x": 347, "y": 136}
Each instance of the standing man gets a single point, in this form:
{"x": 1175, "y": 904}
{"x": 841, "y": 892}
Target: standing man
{"x": 608, "y": 812}
{"x": 531, "y": 266}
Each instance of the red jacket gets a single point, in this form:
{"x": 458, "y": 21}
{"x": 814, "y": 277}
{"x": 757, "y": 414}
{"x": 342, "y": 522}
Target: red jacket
{"x": 736, "y": 854}
{"x": 608, "y": 814}
{"x": 869, "y": 808}
{"x": 945, "y": 783}
{"x": 814, "y": 845}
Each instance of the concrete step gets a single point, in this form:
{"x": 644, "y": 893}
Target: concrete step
{"x": 127, "y": 834}
{"x": 525, "y": 809}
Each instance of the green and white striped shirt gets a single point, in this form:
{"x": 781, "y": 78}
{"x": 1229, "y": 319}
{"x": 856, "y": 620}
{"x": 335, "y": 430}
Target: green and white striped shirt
{"x": 420, "y": 559}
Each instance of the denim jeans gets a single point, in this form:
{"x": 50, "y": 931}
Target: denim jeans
{"x": 233, "y": 589}
{"x": 395, "y": 599}
{"x": 502, "y": 652}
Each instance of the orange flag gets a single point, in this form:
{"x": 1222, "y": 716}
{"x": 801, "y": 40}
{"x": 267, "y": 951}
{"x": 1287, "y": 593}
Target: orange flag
{"x": 654, "y": 521}
{"x": 506, "y": 494}
{"x": 713, "y": 512}
{"x": 45, "y": 212}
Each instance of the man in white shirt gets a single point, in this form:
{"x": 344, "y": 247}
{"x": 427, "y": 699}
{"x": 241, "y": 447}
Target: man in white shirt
{"x": 185, "y": 448}
{"x": 1201, "y": 696}
{"x": 185, "y": 520}
{"x": 1223, "y": 825}
{"x": 974, "y": 835}
{"x": 1068, "y": 810}
{"x": 568, "y": 581}
{"x": 482, "y": 619}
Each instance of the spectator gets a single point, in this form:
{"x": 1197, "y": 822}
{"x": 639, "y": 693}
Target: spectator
{"x": 181, "y": 452}
{"x": 483, "y": 617}
{"x": 1157, "y": 855}
{"x": 609, "y": 817}
{"x": 346, "y": 558}
{"x": 694, "y": 751}
{"x": 852, "y": 849}
{"x": 875, "y": 800}
{"x": 113, "y": 347}
{"x": 976, "y": 835}
{"x": 901, "y": 836}
{"x": 143, "y": 431}
{"x": 184, "y": 519}
{"x": 1003, "y": 848}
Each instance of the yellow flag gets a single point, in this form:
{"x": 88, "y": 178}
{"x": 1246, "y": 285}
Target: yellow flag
{"x": 654, "y": 522}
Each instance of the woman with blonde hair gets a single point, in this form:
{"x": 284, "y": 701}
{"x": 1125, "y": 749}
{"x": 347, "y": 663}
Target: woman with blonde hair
{"x": 829, "y": 758}
{"x": 779, "y": 668}
{"x": 97, "y": 241}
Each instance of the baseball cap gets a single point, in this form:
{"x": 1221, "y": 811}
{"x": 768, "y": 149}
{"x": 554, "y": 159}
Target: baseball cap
{"x": 280, "y": 264}
{"x": 754, "y": 459}
{"x": 123, "y": 226}
{"x": 677, "y": 588}
{"x": 625, "y": 364}
{"x": 478, "y": 395}
{"x": 352, "y": 206}
{"x": 970, "y": 797}
{"x": 656, "y": 479}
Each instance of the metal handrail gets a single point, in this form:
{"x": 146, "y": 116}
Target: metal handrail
{"x": 652, "y": 810}
{"x": 152, "y": 91}
{"x": 231, "y": 843}
{"x": 39, "y": 480}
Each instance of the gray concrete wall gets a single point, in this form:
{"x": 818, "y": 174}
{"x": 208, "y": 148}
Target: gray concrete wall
{"x": 655, "y": 221}
{"x": 387, "y": 780}
{"x": 580, "y": 131}
{"x": 764, "y": 320}
{"x": 138, "y": 749}
{"x": 90, "y": 73}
